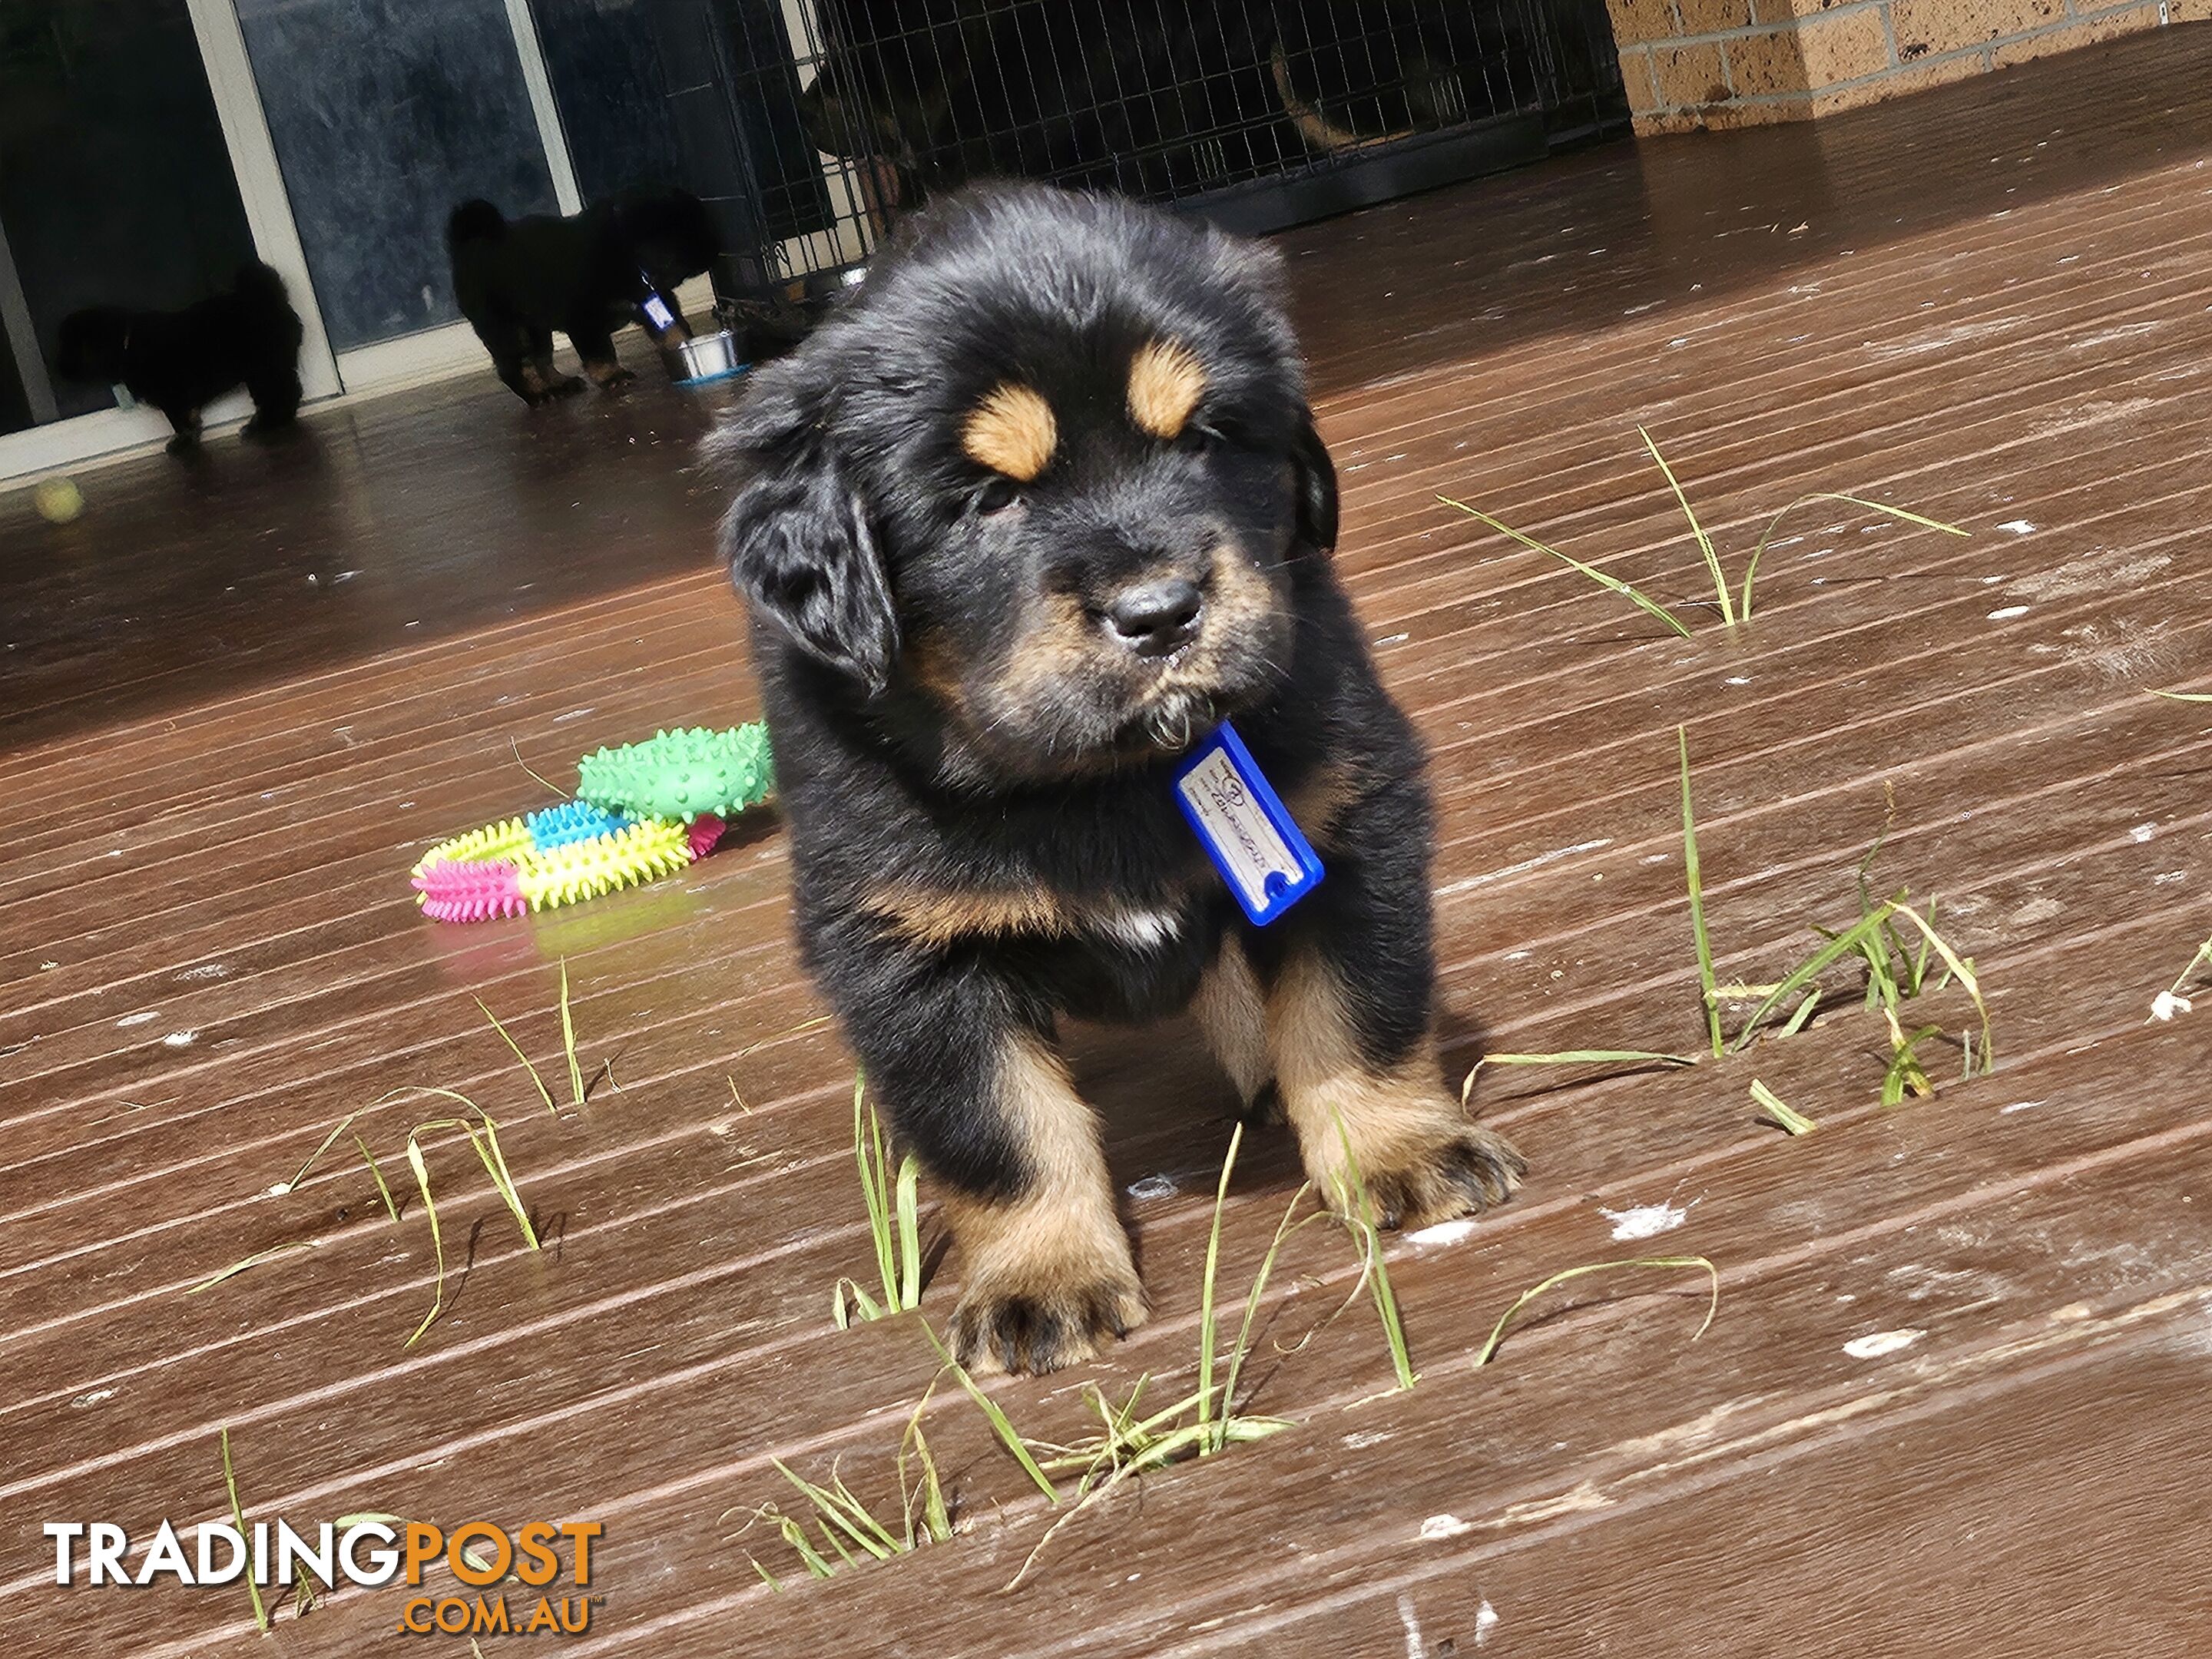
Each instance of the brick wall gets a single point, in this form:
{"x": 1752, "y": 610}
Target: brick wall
{"x": 1693, "y": 64}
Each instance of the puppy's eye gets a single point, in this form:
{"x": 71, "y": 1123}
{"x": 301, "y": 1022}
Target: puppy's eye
{"x": 1197, "y": 439}
{"x": 996, "y": 497}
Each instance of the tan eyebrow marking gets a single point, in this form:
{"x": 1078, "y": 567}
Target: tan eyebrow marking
{"x": 1166, "y": 380}
{"x": 1011, "y": 432}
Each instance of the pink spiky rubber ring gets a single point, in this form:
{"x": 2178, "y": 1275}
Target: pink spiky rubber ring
{"x": 470, "y": 889}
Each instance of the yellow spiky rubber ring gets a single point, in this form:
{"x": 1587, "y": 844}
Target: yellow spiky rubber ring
{"x": 552, "y": 859}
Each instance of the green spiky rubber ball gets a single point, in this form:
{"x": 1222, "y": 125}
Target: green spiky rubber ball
{"x": 680, "y": 774}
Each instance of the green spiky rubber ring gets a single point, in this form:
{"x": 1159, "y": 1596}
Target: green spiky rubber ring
{"x": 681, "y": 774}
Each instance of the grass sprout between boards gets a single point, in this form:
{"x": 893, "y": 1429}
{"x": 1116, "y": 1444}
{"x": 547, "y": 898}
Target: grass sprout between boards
{"x": 1895, "y": 942}
{"x": 1130, "y": 1440}
{"x": 893, "y": 1201}
{"x": 1732, "y": 608}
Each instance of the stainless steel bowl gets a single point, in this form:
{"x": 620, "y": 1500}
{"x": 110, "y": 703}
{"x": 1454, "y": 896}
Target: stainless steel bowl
{"x": 708, "y": 358}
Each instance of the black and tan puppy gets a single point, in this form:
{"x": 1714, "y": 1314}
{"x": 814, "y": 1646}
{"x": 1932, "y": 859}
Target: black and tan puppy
{"x": 179, "y": 361}
{"x": 1041, "y": 507}
{"x": 520, "y": 280}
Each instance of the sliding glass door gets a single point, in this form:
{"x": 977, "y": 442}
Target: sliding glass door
{"x": 149, "y": 148}
{"x": 116, "y": 187}
{"x": 386, "y": 113}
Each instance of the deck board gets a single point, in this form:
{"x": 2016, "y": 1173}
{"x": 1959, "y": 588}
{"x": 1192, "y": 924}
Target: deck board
{"x": 1989, "y": 304}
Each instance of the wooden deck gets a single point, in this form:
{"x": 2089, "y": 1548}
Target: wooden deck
{"x": 1954, "y": 1399}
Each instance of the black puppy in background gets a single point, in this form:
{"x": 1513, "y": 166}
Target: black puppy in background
{"x": 179, "y": 361}
{"x": 1020, "y": 524}
{"x": 518, "y": 281}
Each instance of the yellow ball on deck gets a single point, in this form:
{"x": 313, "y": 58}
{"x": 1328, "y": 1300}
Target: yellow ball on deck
{"x": 58, "y": 500}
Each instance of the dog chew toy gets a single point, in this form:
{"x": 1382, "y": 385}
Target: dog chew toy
{"x": 503, "y": 870}
{"x": 681, "y": 774}
{"x": 647, "y": 809}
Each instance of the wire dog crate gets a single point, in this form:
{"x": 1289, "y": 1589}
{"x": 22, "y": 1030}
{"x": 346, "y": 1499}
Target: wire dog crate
{"x": 809, "y": 126}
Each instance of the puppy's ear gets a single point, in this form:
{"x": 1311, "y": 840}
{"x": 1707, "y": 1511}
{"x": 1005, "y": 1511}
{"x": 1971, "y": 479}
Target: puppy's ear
{"x": 1316, "y": 487}
{"x": 797, "y": 536}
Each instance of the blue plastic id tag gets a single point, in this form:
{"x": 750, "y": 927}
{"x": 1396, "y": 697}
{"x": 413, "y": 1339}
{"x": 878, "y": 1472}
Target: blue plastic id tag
{"x": 657, "y": 311}
{"x": 1246, "y": 829}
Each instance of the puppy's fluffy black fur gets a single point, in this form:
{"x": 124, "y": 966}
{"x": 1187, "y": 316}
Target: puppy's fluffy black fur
{"x": 518, "y": 281}
{"x": 181, "y": 361}
{"x": 1020, "y": 526}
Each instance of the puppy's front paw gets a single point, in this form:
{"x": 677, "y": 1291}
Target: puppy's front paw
{"x": 1464, "y": 1171}
{"x": 1003, "y": 1324}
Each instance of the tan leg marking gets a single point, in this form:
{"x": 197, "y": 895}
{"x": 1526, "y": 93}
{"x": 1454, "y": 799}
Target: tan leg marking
{"x": 1229, "y": 1009}
{"x": 1420, "y": 1159}
{"x": 1047, "y": 1276}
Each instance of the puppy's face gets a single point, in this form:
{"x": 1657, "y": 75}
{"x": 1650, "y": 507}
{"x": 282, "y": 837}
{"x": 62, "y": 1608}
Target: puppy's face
{"x": 1041, "y": 487}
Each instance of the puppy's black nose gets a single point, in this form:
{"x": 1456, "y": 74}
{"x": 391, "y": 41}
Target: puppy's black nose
{"x": 1155, "y": 618}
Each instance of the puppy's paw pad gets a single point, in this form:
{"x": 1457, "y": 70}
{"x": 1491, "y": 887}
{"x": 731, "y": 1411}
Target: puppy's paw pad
{"x": 1469, "y": 1170}
{"x": 1006, "y": 1328}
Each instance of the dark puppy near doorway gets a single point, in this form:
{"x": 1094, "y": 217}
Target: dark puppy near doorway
{"x": 1020, "y": 526}
{"x": 179, "y": 361}
{"x": 520, "y": 280}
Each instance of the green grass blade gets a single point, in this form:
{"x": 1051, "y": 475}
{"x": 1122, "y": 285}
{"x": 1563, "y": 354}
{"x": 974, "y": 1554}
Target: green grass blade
{"x": 377, "y": 1176}
{"x": 2183, "y": 696}
{"x": 1693, "y": 875}
{"x": 251, "y": 1261}
{"x": 817, "y": 1564}
{"x": 1802, "y": 1013}
{"x": 1008, "y": 1435}
{"x": 1498, "y": 1332}
{"x": 1962, "y": 970}
{"x": 1704, "y": 541}
{"x": 1791, "y": 1122}
{"x": 936, "y": 1517}
{"x": 827, "y": 1510}
{"x": 1374, "y": 1271}
{"x": 544, "y": 1093}
{"x": 315, "y": 1156}
{"x": 1283, "y": 1230}
{"x": 1602, "y": 578}
{"x": 1826, "y": 957}
{"x": 871, "y": 1159}
{"x": 909, "y": 1233}
{"x": 837, "y": 1507}
{"x": 437, "y": 1239}
{"x": 1773, "y": 524}
{"x": 526, "y": 766}
{"x": 495, "y": 1162}
{"x": 1205, "y": 1332}
{"x": 2173, "y": 992}
{"x": 767, "y": 1578}
{"x": 569, "y": 1039}
{"x": 238, "y": 1520}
